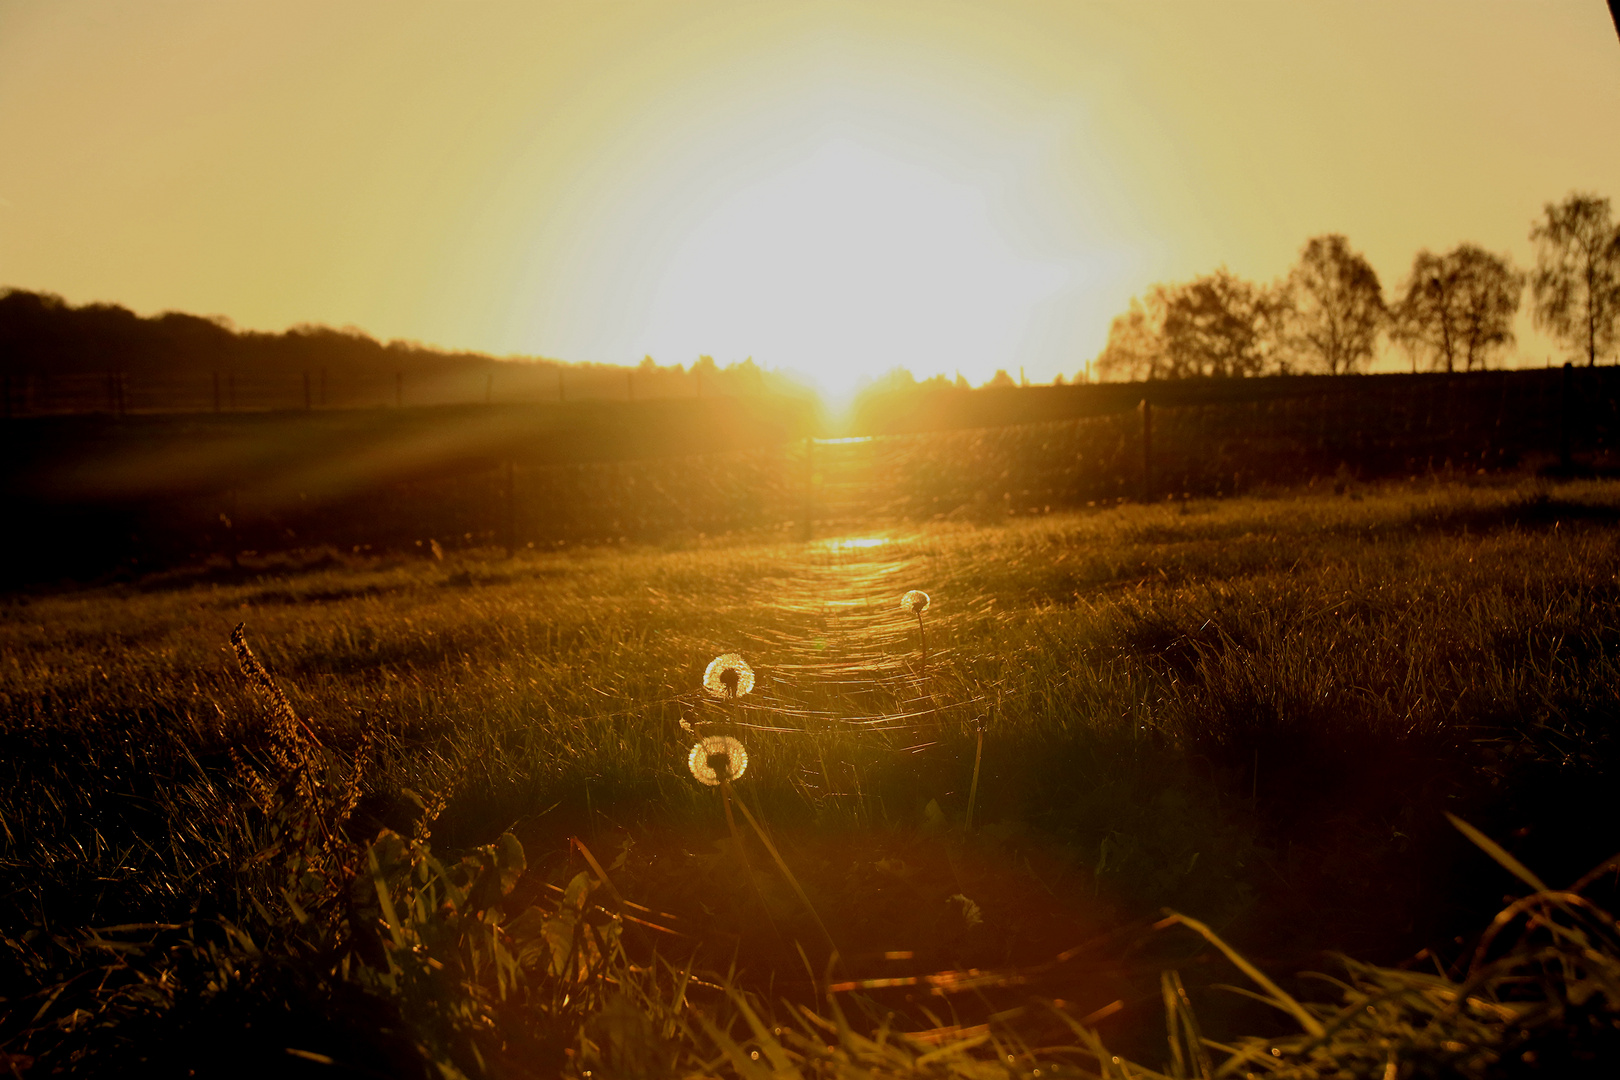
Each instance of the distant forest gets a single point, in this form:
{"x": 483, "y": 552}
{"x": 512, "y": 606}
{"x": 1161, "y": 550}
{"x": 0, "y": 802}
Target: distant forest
{"x": 53, "y": 354}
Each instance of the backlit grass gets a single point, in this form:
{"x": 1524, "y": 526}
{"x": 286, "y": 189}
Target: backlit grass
{"x": 1257, "y": 712}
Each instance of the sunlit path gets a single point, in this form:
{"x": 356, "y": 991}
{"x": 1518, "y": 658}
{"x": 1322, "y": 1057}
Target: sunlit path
{"x": 843, "y": 653}
{"x": 838, "y": 649}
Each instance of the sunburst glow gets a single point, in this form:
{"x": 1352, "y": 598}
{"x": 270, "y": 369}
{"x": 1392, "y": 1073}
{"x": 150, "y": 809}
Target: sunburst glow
{"x": 838, "y": 188}
{"x": 847, "y": 263}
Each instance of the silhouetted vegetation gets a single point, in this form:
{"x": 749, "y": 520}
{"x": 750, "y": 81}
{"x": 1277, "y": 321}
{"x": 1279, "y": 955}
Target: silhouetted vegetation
{"x": 1454, "y": 312}
{"x": 1576, "y": 283}
{"x": 55, "y": 357}
{"x": 1457, "y": 309}
{"x": 1326, "y": 317}
{"x": 1216, "y": 326}
{"x": 1333, "y": 309}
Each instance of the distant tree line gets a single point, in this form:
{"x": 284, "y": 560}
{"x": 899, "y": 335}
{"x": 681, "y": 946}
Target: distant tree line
{"x": 42, "y": 336}
{"x": 1453, "y": 312}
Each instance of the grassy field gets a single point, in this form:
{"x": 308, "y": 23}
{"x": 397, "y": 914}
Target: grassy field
{"x": 1257, "y": 712}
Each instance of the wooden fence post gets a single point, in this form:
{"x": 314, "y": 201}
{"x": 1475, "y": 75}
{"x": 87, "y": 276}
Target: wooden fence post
{"x": 1146, "y": 407}
{"x": 229, "y": 519}
{"x": 510, "y": 500}
{"x": 1566, "y": 404}
{"x": 115, "y": 393}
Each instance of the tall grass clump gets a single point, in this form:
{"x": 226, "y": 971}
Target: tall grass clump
{"x": 370, "y": 954}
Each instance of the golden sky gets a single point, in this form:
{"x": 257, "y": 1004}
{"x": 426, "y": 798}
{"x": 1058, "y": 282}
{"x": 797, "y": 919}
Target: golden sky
{"x": 832, "y": 187}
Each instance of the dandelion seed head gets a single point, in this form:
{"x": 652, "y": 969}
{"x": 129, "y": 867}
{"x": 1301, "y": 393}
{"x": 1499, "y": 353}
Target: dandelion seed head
{"x": 914, "y": 602}
{"x": 728, "y": 675}
{"x": 717, "y": 757}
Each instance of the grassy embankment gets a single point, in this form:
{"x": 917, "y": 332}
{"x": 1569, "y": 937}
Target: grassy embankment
{"x": 1257, "y": 712}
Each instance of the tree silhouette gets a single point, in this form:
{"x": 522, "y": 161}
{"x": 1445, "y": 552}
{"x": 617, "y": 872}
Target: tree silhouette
{"x": 1575, "y": 288}
{"x": 1135, "y": 348}
{"x": 1458, "y": 308}
{"x": 1219, "y": 326}
{"x": 1335, "y": 307}
{"x": 1215, "y": 326}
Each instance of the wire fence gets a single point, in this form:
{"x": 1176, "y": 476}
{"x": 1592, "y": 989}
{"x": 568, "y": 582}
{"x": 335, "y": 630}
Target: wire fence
{"x": 516, "y": 497}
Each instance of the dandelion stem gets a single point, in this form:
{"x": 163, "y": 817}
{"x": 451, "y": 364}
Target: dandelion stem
{"x": 922, "y": 634}
{"x": 973, "y": 789}
{"x": 742, "y": 853}
{"x": 781, "y": 864}
{"x": 725, "y": 801}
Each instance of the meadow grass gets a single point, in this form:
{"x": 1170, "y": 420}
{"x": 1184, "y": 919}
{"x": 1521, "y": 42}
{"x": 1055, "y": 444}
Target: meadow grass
{"x": 1255, "y": 711}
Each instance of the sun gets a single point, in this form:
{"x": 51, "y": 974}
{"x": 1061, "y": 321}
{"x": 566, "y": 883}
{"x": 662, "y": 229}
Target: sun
{"x": 845, "y": 263}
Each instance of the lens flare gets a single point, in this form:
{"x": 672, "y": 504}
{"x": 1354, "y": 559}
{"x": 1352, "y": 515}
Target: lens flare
{"x": 914, "y": 602}
{"x": 717, "y": 758}
{"x": 728, "y": 676}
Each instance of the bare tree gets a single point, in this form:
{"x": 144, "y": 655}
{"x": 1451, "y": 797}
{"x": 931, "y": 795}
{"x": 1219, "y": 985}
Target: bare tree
{"x": 1576, "y": 284}
{"x": 1458, "y": 308}
{"x": 1335, "y": 307}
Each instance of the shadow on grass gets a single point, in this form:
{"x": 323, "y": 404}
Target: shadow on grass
{"x": 1540, "y": 511}
{"x": 246, "y": 571}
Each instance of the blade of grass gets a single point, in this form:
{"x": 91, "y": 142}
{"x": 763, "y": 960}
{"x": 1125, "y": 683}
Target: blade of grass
{"x": 1279, "y": 998}
{"x": 1497, "y": 852}
{"x": 782, "y": 865}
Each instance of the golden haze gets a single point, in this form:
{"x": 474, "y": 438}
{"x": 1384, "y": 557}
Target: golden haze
{"x": 833, "y": 187}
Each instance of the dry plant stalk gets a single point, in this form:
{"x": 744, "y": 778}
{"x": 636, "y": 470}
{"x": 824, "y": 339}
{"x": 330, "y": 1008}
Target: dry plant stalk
{"x": 304, "y": 791}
